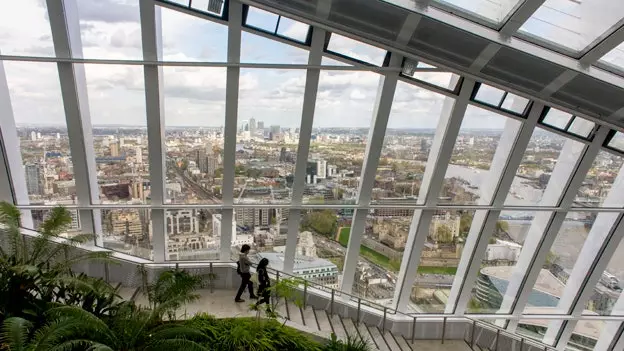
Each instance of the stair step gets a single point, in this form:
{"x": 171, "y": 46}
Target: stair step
{"x": 323, "y": 321}
{"x": 402, "y": 342}
{"x": 365, "y": 334}
{"x": 350, "y": 328}
{"x": 309, "y": 318}
{"x": 379, "y": 340}
{"x": 281, "y": 308}
{"x": 337, "y": 327}
{"x": 294, "y": 313}
{"x": 392, "y": 344}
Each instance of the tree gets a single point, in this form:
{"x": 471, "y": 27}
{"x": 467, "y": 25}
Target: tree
{"x": 465, "y": 222}
{"x": 218, "y": 173}
{"x": 444, "y": 234}
{"x": 321, "y": 221}
{"x": 502, "y": 227}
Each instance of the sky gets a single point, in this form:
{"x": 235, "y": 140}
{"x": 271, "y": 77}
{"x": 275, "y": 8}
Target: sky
{"x": 195, "y": 96}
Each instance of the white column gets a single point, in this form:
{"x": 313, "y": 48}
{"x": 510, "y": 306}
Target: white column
{"x": 65, "y": 26}
{"x": 305, "y": 132}
{"x": 493, "y": 190}
{"x": 612, "y": 329}
{"x": 15, "y": 190}
{"x": 226, "y": 234}
{"x": 598, "y": 249}
{"x": 151, "y": 30}
{"x": 441, "y": 149}
{"x": 571, "y": 169}
{"x": 381, "y": 113}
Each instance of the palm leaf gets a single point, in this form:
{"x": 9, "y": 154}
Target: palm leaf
{"x": 10, "y": 214}
{"x": 175, "y": 344}
{"x": 57, "y": 220}
{"x": 15, "y": 332}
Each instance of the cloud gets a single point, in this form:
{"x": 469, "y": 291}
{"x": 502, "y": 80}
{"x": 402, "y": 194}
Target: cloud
{"x": 109, "y": 11}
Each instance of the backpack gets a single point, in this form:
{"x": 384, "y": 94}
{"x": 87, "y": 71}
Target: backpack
{"x": 238, "y": 271}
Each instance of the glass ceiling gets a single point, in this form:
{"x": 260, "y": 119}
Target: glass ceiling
{"x": 416, "y": 187}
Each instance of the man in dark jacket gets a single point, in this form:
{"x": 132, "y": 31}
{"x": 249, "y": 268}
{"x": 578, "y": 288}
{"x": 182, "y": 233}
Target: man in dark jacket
{"x": 243, "y": 270}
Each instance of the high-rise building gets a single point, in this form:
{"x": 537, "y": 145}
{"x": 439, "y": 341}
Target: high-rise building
{"x": 34, "y": 178}
{"x": 114, "y": 149}
{"x": 321, "y": 169}
{"x": 252, "y": 126}
{"x": 260, "y": 125}
{"x": 207, "y": 161}
{"x": 138, "y": 154}
{"x": 33, "y": 135}
{"x": 275, "y": 129}
{"x": 183, "y": 221}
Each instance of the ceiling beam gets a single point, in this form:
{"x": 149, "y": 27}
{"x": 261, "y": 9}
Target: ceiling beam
{"x": 602, "y": 48}
{"x": 521, "y": 15}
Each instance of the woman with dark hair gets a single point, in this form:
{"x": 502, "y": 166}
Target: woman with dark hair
{"x": 243, "y": 270}
{"x": 264, "y": 282}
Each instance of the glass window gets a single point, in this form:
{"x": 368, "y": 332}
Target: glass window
{"x": 38, "y": 216}
{"x": 501, "y": 256}
{"x": 489, "y": 95}
{"x": 609, "y": 287}
{"x": 356, "y": 50}
{"x": 429, "y": 74}
{"x": 557, "y": 118}
{"x": 515, "y": 103}
{"x": 194, "y": 122}
{"x": 261, "y": 19}
{"x": 117, "y": 105}
{"x": 617, "y": 142}
{"x": 213, "y": 7}
{"x": 110, "y": 30}
{"x": 42, "y": 131}
{"x": 257, "y": 49}
{"x": 268, "y": 134}
{"x": 551, "y": 281}
{"x": 25, "y": 29}
{"x": 581, "y": 127}
{"x": 209, "y": 38}
{"x": 494, "y": 12}
{"x": 615, "y": 57}
{"x": 409, "y": 135}
{"x": 472, "y": 155}
{"x": 536, "y": 167}
{"x": 344, "y": 107}
{"x": 599, "y": 180}
{"x": 438, "y": 261}
{"x": 194, "y": 234}
{"x": 128, "y": 231}
{"x": 572, "y": 25}
{"x": 293, "y": 29}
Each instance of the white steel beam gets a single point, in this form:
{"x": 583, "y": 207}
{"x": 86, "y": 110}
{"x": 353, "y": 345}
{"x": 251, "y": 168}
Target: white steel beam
{"x": 598, "y": 248}
{"x": 521, "y": 15}
{"x": 235, "y": 13}
{"x": 151, "y": 31}
{"x": 15, "y": 190}
{"x": 449, "y": 124}
{"x": 65, "y": 26}
{"x": 558, "y": 83}
{"x": 602, "y": 48}
{"x": 511, "y": 148}
{"x": 305, "y": 133}
{"x": 575, "y": 160}
{"x": 381, "y": 114}
{"x": 612, "y": 330}
{"x": 225, "y": 241}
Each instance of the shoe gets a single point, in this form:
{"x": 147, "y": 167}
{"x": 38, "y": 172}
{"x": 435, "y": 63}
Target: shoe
{"x": 253, "y": 297}
{"x": 239, "y": 300}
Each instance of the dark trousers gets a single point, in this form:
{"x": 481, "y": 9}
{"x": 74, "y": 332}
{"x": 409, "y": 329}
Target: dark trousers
{"x": 245, "y": 282}
{"x": 265, "y": 295}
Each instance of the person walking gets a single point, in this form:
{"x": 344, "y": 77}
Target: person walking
{"x": 243, "y": 270}
{"x": 265, "y": 283}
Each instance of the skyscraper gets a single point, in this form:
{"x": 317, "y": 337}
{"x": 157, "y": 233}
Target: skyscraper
{"x": 252, "y": 126}
{"x": 114, "y": 149}
{"x": 321, "y": 169}
{"x": 34, "y": 177}
{"x": 260, "y": 125}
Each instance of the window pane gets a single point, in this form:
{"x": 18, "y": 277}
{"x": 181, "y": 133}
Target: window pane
{"x": 209, "y": 38}
{"x": 344, "y": 107}
{"x": 293, "y": 29}
{"x": 261, "y": 19}
{"x": 599, "y": 180}
{"x": 572, "y": 25}
{"x": 128, "y": 231}
{"x": 615, "y": 57}
{"x": 266, "y": 155}
{"x": 194, "y": 120}
{"x": 193, "y": 234}
{"x": 494, "y": 12}
{"x": 38, "y": 216}
{"x": 617, "y": 142}
{"x": 439, "y": 260}
{"x": 257, "y": 49}
{"x": 501, "y": 256}
{"x": 489, "y": 95}
{"x": 609, "y": 287}
{"x": 42, "y": 129}
{"x": 551, "y": 281}
{"x": 472, "y": 155}
{"x": 212, "y": 7}
{"x": 110, "y": 29}
{"x": 418, "y": 70}
{"x": 581, "y": 127}
{"x": 117, "y": 104}
{"x": 556, "y": 118}
{"x": 25, "y": 29}
{"x": 411, "y": 127}
{"x": 515, "y": 103}
{"x": 356, "y": 50}
{"x": 533, "y": 174}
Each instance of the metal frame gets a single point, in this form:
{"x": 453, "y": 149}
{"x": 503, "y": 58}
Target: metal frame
{"x": 568, "y": 174}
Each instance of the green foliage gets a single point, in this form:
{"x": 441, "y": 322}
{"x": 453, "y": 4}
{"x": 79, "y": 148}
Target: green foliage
{"x": 502, "y": 226}
{"x": 465, "y": 221}
{"x": 370, "y": 254}
{"x": 437, "y": 270}
{"x": 171, "y": 290}
{"x": 320, "y": 221}
{"x": 351, "y": 344}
